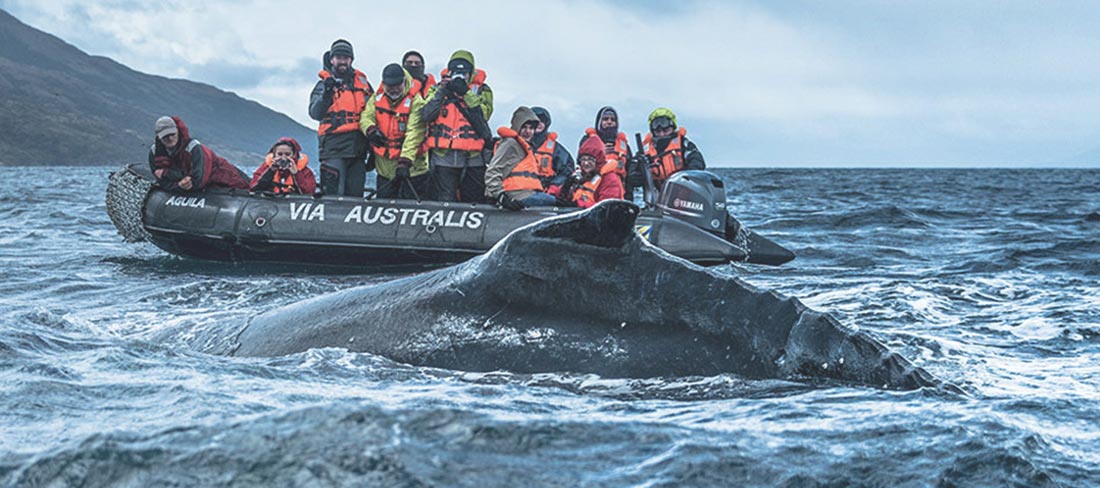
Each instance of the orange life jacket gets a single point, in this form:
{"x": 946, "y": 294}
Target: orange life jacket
{"x": 347, "y": 104}
{"x": 284, "y": 180}
{"x": 421, "y": 87}
{"x": 619, "y": 155}
{"x": 586, "y": 192}
{"x": 451, "y": 130}
{"x": 668, "y": 161}
{"x": 393, "y": 122}
{"x": 585, "y": 195}
{"x": 545, "y": 152}
{"x": 529, "y": 173}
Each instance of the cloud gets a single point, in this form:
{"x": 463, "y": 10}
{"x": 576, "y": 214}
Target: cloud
{"x": 857, "y": 82}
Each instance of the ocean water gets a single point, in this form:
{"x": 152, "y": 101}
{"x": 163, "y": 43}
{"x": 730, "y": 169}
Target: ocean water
{"x": 989, "y": 279}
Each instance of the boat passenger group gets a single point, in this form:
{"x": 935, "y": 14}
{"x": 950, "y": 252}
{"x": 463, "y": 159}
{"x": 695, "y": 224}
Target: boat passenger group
{"x": 430, "y": 140}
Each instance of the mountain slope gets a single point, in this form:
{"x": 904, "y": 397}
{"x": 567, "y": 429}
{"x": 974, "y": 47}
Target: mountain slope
{"x": 59, "y": 105}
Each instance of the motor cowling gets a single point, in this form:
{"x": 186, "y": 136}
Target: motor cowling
{"x": 697, "y": 197}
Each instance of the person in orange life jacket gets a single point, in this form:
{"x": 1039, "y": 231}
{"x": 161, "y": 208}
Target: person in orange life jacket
{"x": 181, "y": 163}
{"x": 285, "y": 170}
{"x": 616, "y": 147}
{"x": 336, "y": 102}
{"x": 667, "y": 150}
{"x": 545, "y": 145}
{"x": 452, "y": 125}
{"x": 413, "y": 62}
{"x": 385, "y": 122}
{"x": 515, "y": 178}
{"x": 594, "y": 181}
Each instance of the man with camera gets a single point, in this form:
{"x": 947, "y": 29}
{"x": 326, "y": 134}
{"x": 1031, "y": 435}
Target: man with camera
{"x": 286, "y": 170}
{"x": 452, "y": 124}
{"x": 336, "y": 102}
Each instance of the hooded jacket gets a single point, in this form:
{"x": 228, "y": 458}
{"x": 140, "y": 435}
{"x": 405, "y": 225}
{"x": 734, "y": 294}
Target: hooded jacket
{"x": 399, "y": 109}
{"x": 479, "y": 100}
{"x": 507, "y": 155}
{"x": 615, "y": 142}
{"x": 602, "y": 183}
{"x": 191, "y": 158}
{"x": 303, "y": 182}
{"x": 563, "y": 161}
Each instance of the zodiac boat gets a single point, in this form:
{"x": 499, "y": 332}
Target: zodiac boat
{"x": 690, "y": 221}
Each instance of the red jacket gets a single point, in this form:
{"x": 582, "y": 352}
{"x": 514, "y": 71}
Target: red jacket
{"x": 192, "y": 158}
{"x": 611, "y": 186}
{"x": 303, "y": 182}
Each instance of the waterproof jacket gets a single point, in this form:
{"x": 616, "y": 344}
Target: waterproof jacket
{"x": 562, "y": 161}
{"x": 338, "y": 134}
{"x": 617, "y": 152}
{"x": 421, "y": 87}
{"x": 598, "y": 188}
{"x": 509, "y": 153}
{"x": 392, "y": 118}
{"x": 280, "y": 181}
{"x": 191, "y": 158}
{"x": 479, "y": 99}
{"x": 680, "y": 154}
{"x": 600, "y": 184}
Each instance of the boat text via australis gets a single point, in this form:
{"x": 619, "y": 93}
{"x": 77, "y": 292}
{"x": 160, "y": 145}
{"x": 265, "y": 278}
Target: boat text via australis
{"x": 377, "y": 214}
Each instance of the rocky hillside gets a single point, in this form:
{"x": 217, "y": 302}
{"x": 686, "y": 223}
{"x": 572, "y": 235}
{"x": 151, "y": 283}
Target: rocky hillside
{"x": 61, "y": 106}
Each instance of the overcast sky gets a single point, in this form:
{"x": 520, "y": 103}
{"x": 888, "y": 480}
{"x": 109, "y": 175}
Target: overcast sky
{"x": 824, "y": 83}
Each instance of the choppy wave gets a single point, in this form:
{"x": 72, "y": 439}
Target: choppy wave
{"x": 988, "y": 278}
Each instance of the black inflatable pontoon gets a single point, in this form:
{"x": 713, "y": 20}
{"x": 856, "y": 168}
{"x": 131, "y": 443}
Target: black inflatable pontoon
{"x": 234, "y": 225}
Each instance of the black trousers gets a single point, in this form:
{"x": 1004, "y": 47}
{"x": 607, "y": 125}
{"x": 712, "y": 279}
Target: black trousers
{"x": 459, "y": 184}
{"x": 415, "y": 188}
{"x": 345, "y": 176}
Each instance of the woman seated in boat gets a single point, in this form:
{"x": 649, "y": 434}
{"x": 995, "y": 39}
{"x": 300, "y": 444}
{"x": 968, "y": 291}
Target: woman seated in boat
{"x": 594, "y": 180}
{"x": 286, "y": 170}
{"x": 182, "y": 163}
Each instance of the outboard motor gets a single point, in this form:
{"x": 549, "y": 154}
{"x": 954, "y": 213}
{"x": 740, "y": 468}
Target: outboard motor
{"x": 697, "y": 197}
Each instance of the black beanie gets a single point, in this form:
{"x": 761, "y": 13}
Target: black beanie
{"x": 411, "y": 53}
{"x": 342, "y": 47}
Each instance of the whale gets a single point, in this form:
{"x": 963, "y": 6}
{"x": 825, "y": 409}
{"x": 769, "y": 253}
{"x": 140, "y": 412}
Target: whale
{"x": 584, "y": 293}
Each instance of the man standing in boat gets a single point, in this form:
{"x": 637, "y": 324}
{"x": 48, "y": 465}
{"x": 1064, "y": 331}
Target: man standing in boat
{"x": 453, "y": 126}
{"x": 546, "y": 147}
{"x": 616, "y": 149}
{"x": 667, "y": 150}
{"x": 385, "y": 121}
{"x": 337, "y": 101}
{"x": 182, "y": 163}
{"x": 515, "y": 178}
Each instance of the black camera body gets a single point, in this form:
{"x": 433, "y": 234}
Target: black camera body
{"x": 282, "y": 164}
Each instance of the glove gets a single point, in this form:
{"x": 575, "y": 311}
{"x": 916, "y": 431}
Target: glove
{"x": 458, "y": 86}
{"x": 402, "y": 172}
{"x": 509, "y": 203}
{"x": 375, "y": 136}
{"x": 635, "y": 175}
{"x": 330, "y": 84}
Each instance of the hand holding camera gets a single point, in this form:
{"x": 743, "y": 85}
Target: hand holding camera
{"x": 458, "y": 84}
{"x": 331, "y": 83}
{"x": 285, "y": 164}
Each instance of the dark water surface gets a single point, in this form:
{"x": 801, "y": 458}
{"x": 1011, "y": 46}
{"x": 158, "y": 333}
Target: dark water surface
{"x": 987, "y": 278}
